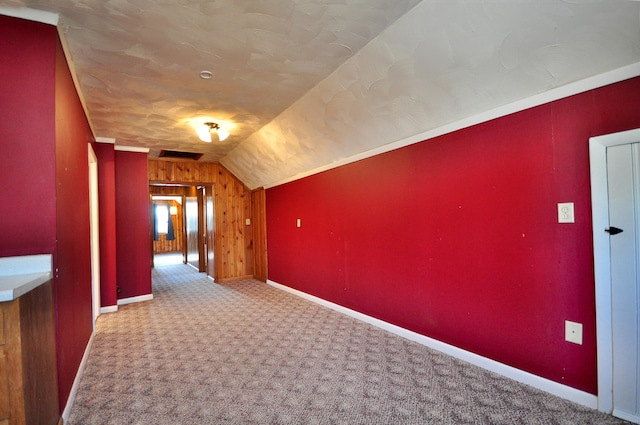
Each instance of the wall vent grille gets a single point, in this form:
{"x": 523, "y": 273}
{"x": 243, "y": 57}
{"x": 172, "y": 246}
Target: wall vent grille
{"x": 178, "y": 154}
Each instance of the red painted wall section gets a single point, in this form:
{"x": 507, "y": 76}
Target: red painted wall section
{"x": 133, "y": 240}
{"x": 457, "y": 237}
{"x": 44, "y": 170}
{"x": 107, "y": 211}
{"x": 27, "y": 149}
{"x": 73, "y": 283}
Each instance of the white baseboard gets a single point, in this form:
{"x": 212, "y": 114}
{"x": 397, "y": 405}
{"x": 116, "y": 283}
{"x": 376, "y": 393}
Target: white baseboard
{"x": 137, "y": 299}
{"x": 76, "y": 382}
{"x": 544, "y": 384}
{"x": 108, "y": 309}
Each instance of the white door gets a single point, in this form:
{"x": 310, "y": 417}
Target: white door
{"x": 623, "y": 183}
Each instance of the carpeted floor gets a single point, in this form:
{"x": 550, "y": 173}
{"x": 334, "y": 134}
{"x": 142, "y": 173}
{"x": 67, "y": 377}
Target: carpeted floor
{"x": 247, "y": 353}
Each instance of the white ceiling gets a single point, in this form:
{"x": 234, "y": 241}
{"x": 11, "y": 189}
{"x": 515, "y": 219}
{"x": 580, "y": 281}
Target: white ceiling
{"x": 302, "y": 84}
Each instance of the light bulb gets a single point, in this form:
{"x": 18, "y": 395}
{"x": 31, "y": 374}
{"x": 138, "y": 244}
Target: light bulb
{"x": 222, "y": 134}
{"x": 204, "y": 133}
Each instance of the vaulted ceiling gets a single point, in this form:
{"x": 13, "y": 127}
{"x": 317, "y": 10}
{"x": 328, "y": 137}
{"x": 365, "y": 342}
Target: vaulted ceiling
{"x": 302, "y": 84}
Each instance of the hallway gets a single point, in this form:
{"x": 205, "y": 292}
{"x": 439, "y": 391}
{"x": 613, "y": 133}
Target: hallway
{"x": 245, "y": 353}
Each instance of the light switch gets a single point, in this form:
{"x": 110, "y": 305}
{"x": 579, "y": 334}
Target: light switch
{"x": 565, "y": 213}
{"x": 298, "y": 223}
{"x": 573, "y": 332}
{"x": 247, "y": 221}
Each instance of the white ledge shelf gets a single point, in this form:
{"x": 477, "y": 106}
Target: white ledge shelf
{"x": 19, "y": 275}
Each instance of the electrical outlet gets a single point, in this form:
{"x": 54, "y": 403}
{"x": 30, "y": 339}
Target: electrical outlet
{"x": 573, "y": 332}
{"x": 565, "y": 213}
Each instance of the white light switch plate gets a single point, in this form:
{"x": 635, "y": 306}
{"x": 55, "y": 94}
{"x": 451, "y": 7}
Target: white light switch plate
{"x": 573, "y": 332}
{"x": 565, "y": 213}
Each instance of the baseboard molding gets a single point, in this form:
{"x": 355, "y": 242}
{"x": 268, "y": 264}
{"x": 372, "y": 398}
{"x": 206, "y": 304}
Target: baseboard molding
{"x": 192, "y": 266}
{"x": 109, "y": 309}
{"x": 76, "y": 382}
{"x": 231, "y": 279}
{"x": 137, "y": 299}
{"x": 552, "y": 387}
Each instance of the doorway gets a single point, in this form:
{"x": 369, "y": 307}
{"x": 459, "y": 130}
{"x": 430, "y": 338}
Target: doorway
{"x": 167, "y": 215}
{"x": 191, "y": 211}
{"x": 94, "y": 231}
{"x": 615, "y": 192}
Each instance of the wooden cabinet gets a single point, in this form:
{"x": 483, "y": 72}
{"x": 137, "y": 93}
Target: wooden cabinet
{"x": 28, "y": 378}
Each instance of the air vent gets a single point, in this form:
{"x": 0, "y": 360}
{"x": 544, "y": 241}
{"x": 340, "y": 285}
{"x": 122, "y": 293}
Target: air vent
{"x": 178, "y": 154}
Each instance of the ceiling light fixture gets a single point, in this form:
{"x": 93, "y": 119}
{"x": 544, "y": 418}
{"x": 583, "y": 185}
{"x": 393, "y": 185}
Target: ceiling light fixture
{"x": 205, "y": 130}
{"x": 206, "y": 75}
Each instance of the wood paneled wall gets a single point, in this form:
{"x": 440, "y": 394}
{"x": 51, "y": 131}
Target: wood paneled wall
{"x": 163, "y": 171}
{"x": 233, "y": 237}
{"x": 234, "y": 245}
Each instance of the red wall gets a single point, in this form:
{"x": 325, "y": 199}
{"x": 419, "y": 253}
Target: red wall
{"x": 44, "y": 170}
{"x": 133, "y": 241}
{"x": 107, "y": 211}
{"x": 457, "y": 237}
{"x": 73, "y": 285}
{"x": 27, "y": 148}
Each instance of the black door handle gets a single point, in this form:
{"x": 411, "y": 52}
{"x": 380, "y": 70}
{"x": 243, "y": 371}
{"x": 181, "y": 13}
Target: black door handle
{"x": 613, "y": 230}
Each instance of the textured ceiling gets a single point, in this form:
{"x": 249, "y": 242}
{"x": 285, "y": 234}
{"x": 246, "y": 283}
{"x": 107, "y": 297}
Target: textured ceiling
{"x": 302, "y": 83}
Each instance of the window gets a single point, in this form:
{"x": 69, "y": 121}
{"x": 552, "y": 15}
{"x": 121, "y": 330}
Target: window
{"x": 162, "y": 216}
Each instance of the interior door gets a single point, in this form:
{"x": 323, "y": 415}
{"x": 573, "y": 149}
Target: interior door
{"x": 623, "y": 182}
{"x": 192, "y": 230}
{"x": 210, "y": 221}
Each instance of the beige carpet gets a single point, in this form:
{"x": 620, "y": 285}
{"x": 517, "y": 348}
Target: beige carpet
{"x": 246, "y": 353}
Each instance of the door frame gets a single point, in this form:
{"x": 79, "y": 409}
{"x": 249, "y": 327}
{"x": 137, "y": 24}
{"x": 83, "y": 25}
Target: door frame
{"x": 602, "y": 260}
{"x": 94, "y": 231}
{"x": 210, "y": 231}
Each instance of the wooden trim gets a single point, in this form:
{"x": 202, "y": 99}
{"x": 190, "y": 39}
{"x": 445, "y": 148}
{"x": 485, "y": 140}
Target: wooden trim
{"x": 13, "y": 357}
{"x": 259, "y": 230}
{"x": 231, "y": 279}
{"x": 5, "y": 406}
{"x": 1, "y": 328}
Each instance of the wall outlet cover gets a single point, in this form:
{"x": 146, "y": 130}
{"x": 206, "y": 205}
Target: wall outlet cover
{"x": 573, "y": 332}
{"x": 565, "y": 213}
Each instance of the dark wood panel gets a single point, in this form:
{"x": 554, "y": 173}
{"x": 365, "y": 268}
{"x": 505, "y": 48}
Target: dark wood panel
{"x": 28, "y": 359}
{"x": 259, "y": 228}
{"x": 39, "y": 356}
